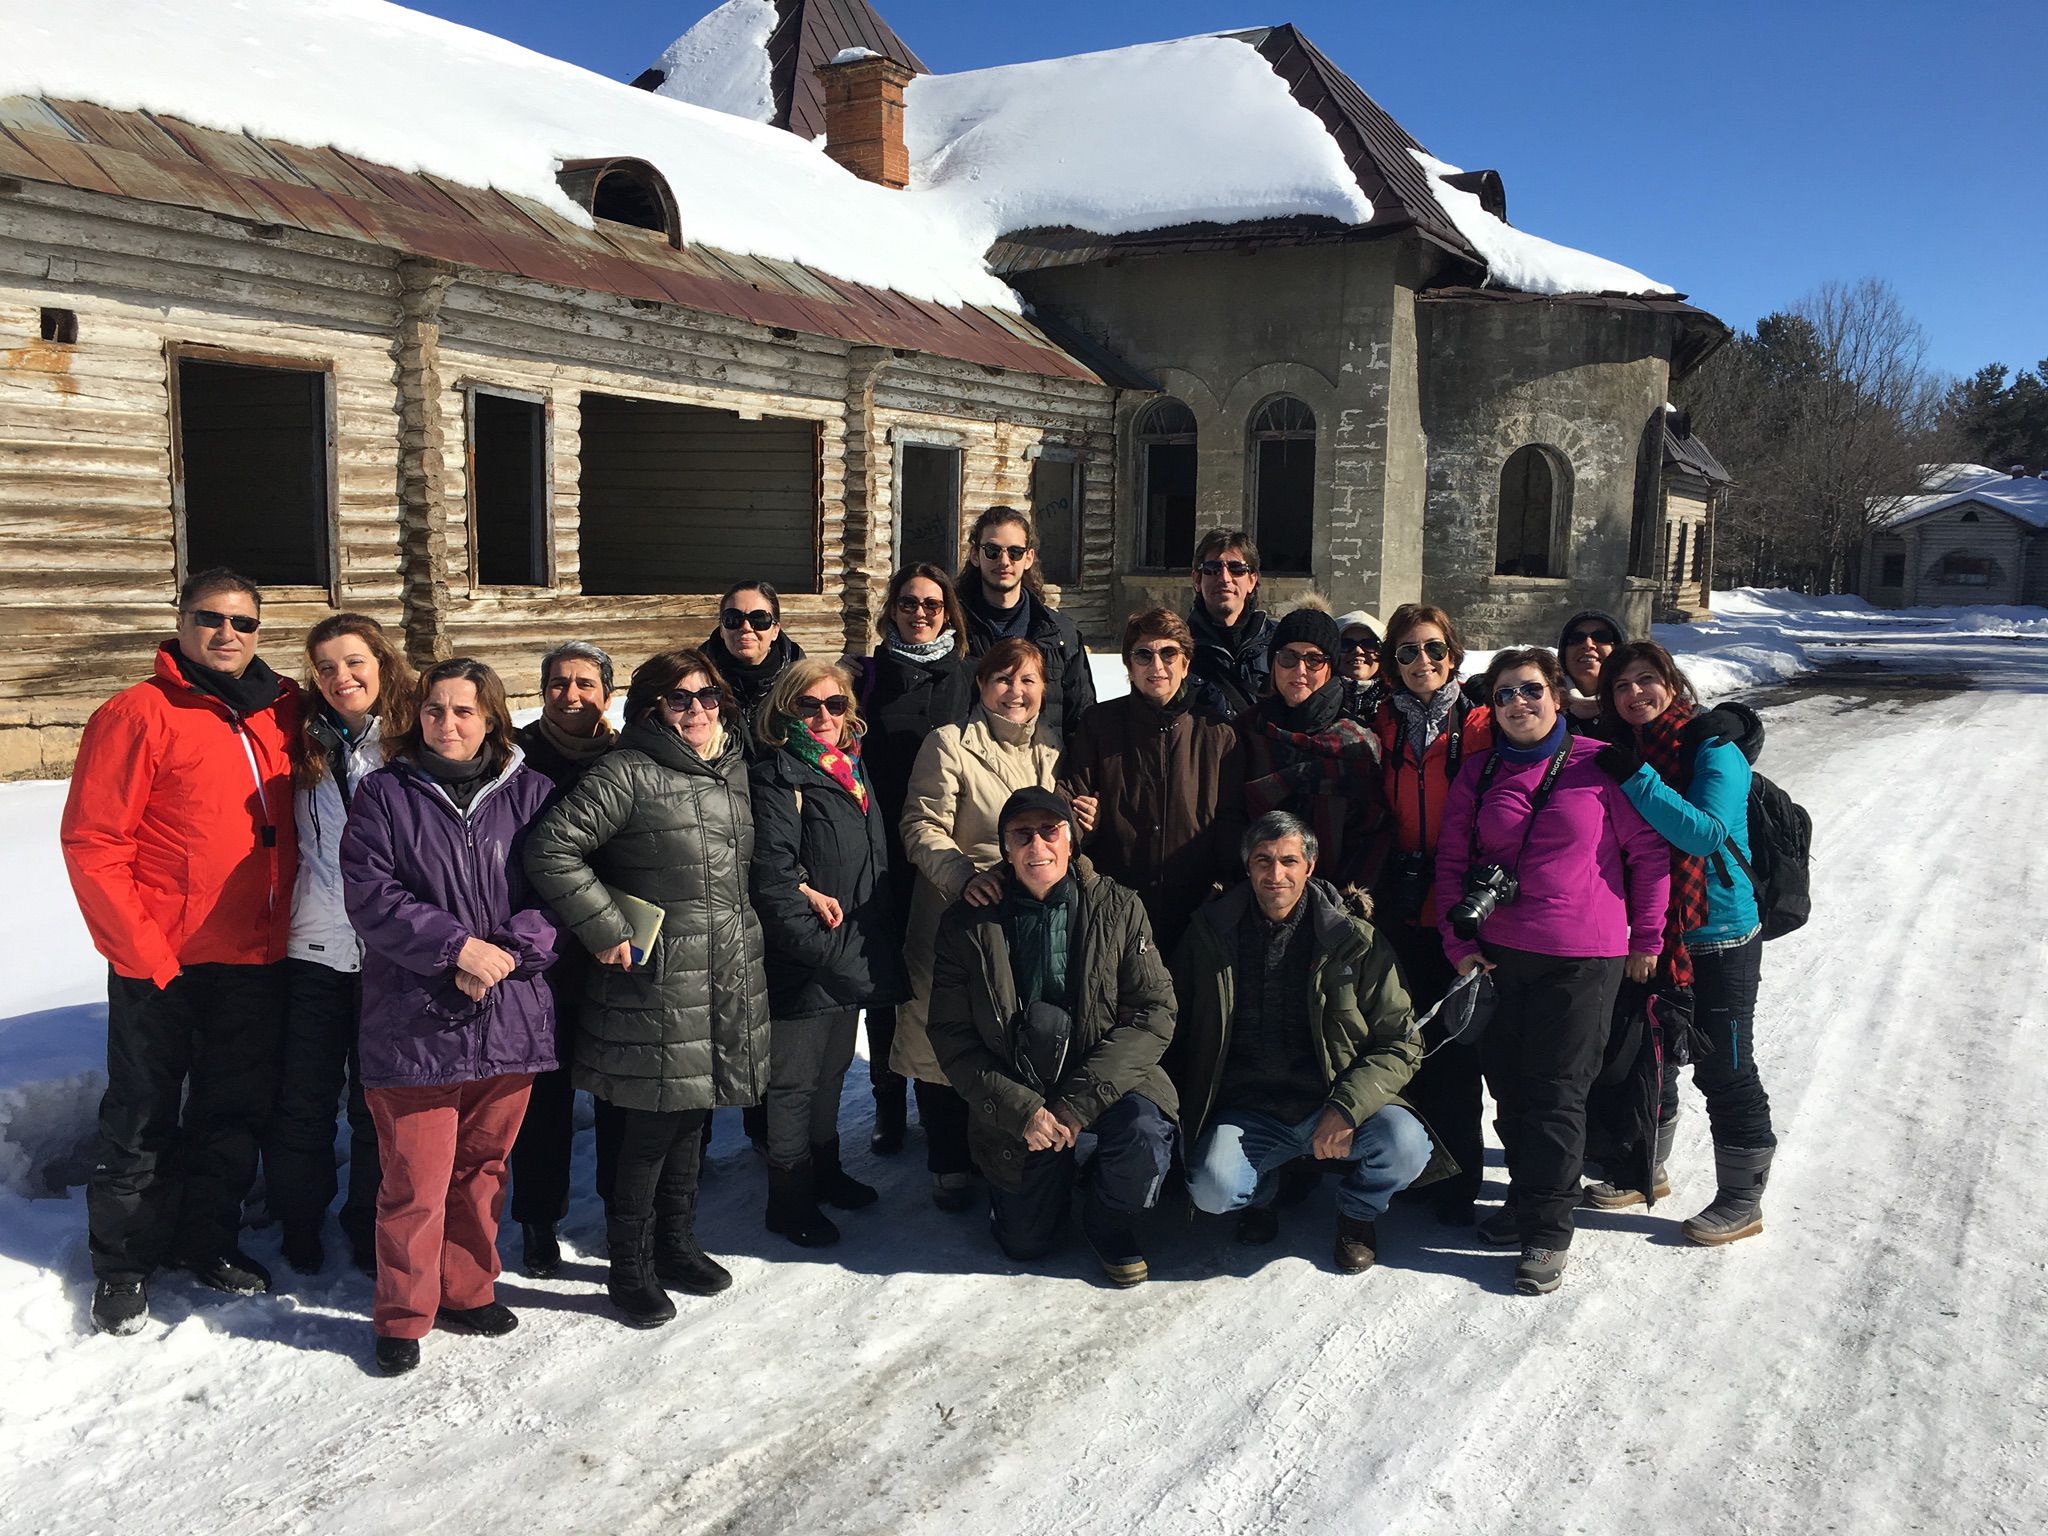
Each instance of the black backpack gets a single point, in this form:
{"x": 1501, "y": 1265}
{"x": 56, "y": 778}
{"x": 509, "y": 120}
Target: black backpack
{"x": 1780, "y": 832}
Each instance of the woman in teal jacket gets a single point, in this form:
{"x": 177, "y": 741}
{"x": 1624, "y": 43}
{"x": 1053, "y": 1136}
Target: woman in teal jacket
{"x": 1692, "y": 786}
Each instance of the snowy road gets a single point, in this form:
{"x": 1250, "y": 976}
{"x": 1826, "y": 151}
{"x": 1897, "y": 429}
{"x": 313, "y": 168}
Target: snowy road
{"x": 1874, "y": 1362}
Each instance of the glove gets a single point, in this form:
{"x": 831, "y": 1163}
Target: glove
{"x": 1618, "y": 763}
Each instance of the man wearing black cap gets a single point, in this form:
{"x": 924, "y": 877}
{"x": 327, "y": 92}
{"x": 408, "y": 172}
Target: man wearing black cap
{"x": 1050, "y": 1011}
{"x": 1588, "y": 638}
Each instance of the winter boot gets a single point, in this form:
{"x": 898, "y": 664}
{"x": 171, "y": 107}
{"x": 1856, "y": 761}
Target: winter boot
{"x": 493, "y": 1319}
{"x": 540, "y": 1251}
{"x": 302, "y": 1249}
{"x": 1738, "y": 1208}
{"x": 119, "y": 1307}
{"x": 1503, "y": 1228}
{"x": 1358, "y": 1245}
{"x": 835, "y": 1185}
{"x": 1113, "y": 1242}
{"x": 1540, "y": 1271}
{"x": 793, "y": 1206}
{"x": 233, "y": 1271}
{"x": 1604, "y": 1196}
{"x": 952, "y": 1192}
{"x": 397, "y": 1356}
{"x": 1257, "y": 1225}
{"x": 754, "y": 1121}
{"x": 631, "y": 1283}
{"x": 892, "y": 1121}
{"x": 678, "y": 1260}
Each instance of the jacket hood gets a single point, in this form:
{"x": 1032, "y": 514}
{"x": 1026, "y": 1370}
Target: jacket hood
{"x": 1327, "y": 913}
{"x": 671, "y": 751}
{"x": 1621, "y": 634}
{"x": 1732, "y": 722}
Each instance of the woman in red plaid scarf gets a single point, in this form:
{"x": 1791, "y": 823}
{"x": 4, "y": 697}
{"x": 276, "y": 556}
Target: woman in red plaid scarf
{"x": 1692, "y": 785}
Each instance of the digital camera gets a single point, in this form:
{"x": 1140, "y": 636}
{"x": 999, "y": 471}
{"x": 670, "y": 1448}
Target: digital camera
{"x": 1487, "y": 888}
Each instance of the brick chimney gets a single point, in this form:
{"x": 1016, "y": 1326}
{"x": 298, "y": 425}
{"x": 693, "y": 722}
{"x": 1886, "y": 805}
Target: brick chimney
{"x": 864, "y": 115}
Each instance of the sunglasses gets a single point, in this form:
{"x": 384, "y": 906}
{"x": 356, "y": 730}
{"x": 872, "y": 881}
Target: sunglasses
{"x": 760, "y": 618}
{"x": 1011, "y": 552}
{"x": 210, "y": 618}
{"x": 1146, "y": 655}
{"x": 1024, "y": 837}
{"x": 683, "y": 700}
{"x": 1313, "y": 661}
{"x": 1408, "y": 650}
{"x": 1606, "y": 637}
{"x": 1218, "y": 567}
{"x": 836, "y": 706}
{"x": 1528, "y": 693}
{"x": 1361, "y": 647}
{"x": 931, "y": 605}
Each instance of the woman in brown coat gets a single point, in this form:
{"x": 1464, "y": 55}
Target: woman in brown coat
{"x": 1158, "y": 782}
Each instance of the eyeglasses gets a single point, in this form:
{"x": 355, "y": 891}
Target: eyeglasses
{"x": 1218, "y": 567}
{"x": 1407, "y": 651}
{"x": 835, "y": 706}
{"x": 684, "y": 700}
{"x": 1024, "y": 837}
{"x": 1361, "y": 647}
{"x": 760, "y": 618}
{"x": 1606, "y": 637}
{"x": 1528, "y": 693}
{"x": 1011, "y": 552}
{"x": 1149, "y": 655}
{"x": 211, "y": 618}
{"x": 1313, "y": 661}
{"x": 931, "y": 605}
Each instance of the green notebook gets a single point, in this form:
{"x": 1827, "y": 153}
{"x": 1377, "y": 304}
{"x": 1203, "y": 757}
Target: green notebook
{"x": 644, "y": 917}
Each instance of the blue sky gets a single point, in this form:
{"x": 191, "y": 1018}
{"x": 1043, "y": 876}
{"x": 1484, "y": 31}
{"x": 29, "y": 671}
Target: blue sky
{"x": 1742, "y": 152}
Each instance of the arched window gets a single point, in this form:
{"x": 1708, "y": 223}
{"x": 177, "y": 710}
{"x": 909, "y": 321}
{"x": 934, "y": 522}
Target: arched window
{"x": 1281, "y": 478}
{"x": 624, "y": 191}
{"x": 1166, "y": 487}
{"x": 1649, "y": 498}
{"x": 1535, "y": 511}
{"x": 1969, "y": 516}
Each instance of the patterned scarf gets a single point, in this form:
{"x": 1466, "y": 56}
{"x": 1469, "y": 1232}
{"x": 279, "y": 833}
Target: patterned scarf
{"x": 839, "y": 764}
{"x": 1329, "y": 777}
{"x": 1659, "y": 741}
{"x": 1424, "y": 718}
{"x": 938, "y": 648}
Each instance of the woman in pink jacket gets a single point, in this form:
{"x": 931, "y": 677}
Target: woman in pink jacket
{"x": 1547, "y": 877}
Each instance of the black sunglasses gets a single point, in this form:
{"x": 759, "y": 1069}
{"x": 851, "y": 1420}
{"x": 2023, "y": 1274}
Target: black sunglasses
{"x": 1406, "y": 652}
{"x": 836, "y": 706}
{"x": 1218, "y": 567}
{"x": 210, "y": 618}
{"x": 1606, "y": 637}
{"x": 1361, "y": 647}
{"x": 931, "y": 605}
{"x": 1288, "y": 660}
{"x": 683, "y": 700}
{"x": 760, "y": 618}
{"x": 1528, "y": 693}
{"x": 1016, "y": 552}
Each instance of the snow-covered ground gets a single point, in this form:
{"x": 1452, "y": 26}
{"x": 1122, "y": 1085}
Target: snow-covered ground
{"x": 1871, "y": 1364}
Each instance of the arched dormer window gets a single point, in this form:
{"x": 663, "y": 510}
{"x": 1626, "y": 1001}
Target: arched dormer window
{"x": 1281, "y": 479}
{"x": 624, "y": 191}
{"x": 1166, "y": 486}
{"x": 1535, "y": 512}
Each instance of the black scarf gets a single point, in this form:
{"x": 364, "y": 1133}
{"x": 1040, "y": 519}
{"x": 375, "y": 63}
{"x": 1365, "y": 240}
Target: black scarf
{"x": 1315, "y": 713}
{"x": 461, "y": 780}
{"x": 751, "y": 680}
{"x": 1003, "y": 623}
{"x": 254, "y": 690}
{"x": 1232, "y": 637}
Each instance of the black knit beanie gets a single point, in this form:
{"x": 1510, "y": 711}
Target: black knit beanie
{"x": 1308, "y": 626}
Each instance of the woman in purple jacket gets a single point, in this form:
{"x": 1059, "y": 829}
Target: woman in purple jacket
{"x": 1547, "y": 877}
{"x": 457, "y": 1018}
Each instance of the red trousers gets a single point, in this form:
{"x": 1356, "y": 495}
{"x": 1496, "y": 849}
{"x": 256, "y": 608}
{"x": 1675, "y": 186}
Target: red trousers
{"x": 444, "y": 1152}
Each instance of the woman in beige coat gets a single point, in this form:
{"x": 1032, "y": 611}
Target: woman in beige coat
{"x": 963, "y": 775}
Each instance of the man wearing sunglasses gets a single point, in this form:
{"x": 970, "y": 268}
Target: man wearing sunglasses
{"x": 1004, "y": 597}
{"x": 1233, "y": 637}
{"x": 179, "y": 839}
{"x": 1588, "y": 638}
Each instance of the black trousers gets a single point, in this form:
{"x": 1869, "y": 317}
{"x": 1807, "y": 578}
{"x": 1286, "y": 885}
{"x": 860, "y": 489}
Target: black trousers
{"x": 1445, "y": 1090}
{"x": 1541, "y": 1054}
{"x": 540, "y": 1157}
{"x": 943, "y": 1114}
{"x": 1724, "y": 1044}
{"x": 648, "y": 1159}
{"x": 1133, "y": 1150}
{"x": 191, "y": 1075}
{"x": 881, "y": 1028}
{"x": 322, "y": 1011}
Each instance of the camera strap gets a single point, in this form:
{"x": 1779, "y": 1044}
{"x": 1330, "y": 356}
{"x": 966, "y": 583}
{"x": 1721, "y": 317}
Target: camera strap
{"x": 1537, "y": 801}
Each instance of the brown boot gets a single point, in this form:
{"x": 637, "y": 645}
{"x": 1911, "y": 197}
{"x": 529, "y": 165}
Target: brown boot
{"x": 1358, "y": 1246}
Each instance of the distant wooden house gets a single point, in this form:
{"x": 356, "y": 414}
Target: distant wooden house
{"x": 1976, "y": 536}
{"x": 1692, "y": 488}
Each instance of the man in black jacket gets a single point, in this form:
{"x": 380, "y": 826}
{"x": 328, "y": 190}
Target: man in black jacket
{"x": 1005, "y": 597}
{"x": 1233, "y": 636}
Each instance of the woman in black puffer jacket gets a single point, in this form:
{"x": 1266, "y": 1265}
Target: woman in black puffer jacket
{"x": 919, "y": 678}
{"x": 820, "y": 884}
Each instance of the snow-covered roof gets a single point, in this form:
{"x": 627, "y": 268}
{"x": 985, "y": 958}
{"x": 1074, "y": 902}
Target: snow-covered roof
{"x": 410, "y": 91}
{"x": 722, "y": 62}
{"x": 2021, "y": 496}
{"x": 1518, "y": 259}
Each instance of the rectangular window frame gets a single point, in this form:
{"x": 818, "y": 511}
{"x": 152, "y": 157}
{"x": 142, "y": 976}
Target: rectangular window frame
{"x": 901, "y": 439}
{"x": 176, "y": 352}
{"x": 1060, "y": 453}
{"x": 550, "y": 562}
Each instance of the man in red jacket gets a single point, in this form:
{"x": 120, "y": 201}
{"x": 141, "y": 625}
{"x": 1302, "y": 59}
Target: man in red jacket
{"x": 179, "y": 839}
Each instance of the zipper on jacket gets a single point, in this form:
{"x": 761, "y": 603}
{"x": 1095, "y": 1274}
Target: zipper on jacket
{"x": 269, "y": 836}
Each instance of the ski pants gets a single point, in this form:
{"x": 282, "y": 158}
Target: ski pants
{"x": 807, "y": 1062}
{"x": 1445, "y": 1090}
{"x": 323, "y": 1008}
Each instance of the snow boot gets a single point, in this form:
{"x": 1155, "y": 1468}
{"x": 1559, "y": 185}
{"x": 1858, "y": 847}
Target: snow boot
{"x": 397, "y": 1356}
{"x": 303, "y": 1250}
{"x": 1503, "y": 1228}
{"x": 1257, "y": 1225}
{"x": 119, "y": 1307}
{"x": 1358, "y": 1245}
{"x": 835, "y": 1185}
{"x": 952, "y": 1192}
{"x": 1602, "y": 1195}
{"x": 1113, "y": 1242}
{"x": 678, "y": 1260}
{"x": 1738, "y": 1208}
{"x": 642, "y": 1303}
{"x": 754, "y": 1121}
{"x": 892, "y": 1121}
{"x": 233, "y": 1272}
{"x": 493, "y": 1319}
{"x": 1540, "y": 1271}
{"x": 540, "y": 1251}
{"x": 793, "y": 1206}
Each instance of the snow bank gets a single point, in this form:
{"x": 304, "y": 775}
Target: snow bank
{"x": 1518, "y": 259}
{"x": 722, "y": 62}
{"x": 420, "y": 94}
{"x": 1125, "y": 140}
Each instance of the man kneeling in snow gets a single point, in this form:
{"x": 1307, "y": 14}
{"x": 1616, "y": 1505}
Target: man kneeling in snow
{"x": 1295, "y": 1037}
{"x": 1050, "y": 1010}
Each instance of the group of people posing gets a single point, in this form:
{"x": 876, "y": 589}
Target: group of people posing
{"x": 1197, "y": 924}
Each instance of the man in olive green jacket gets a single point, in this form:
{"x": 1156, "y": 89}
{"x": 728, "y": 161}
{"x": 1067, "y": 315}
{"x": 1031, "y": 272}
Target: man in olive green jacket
{"x": 1295, "y": 1039}
{"x": 1050, "y": 1010}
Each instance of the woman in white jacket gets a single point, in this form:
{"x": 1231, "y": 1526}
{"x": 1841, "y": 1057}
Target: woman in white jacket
{"x": 365, "y": 692}
{"x": 963, "y": 775}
